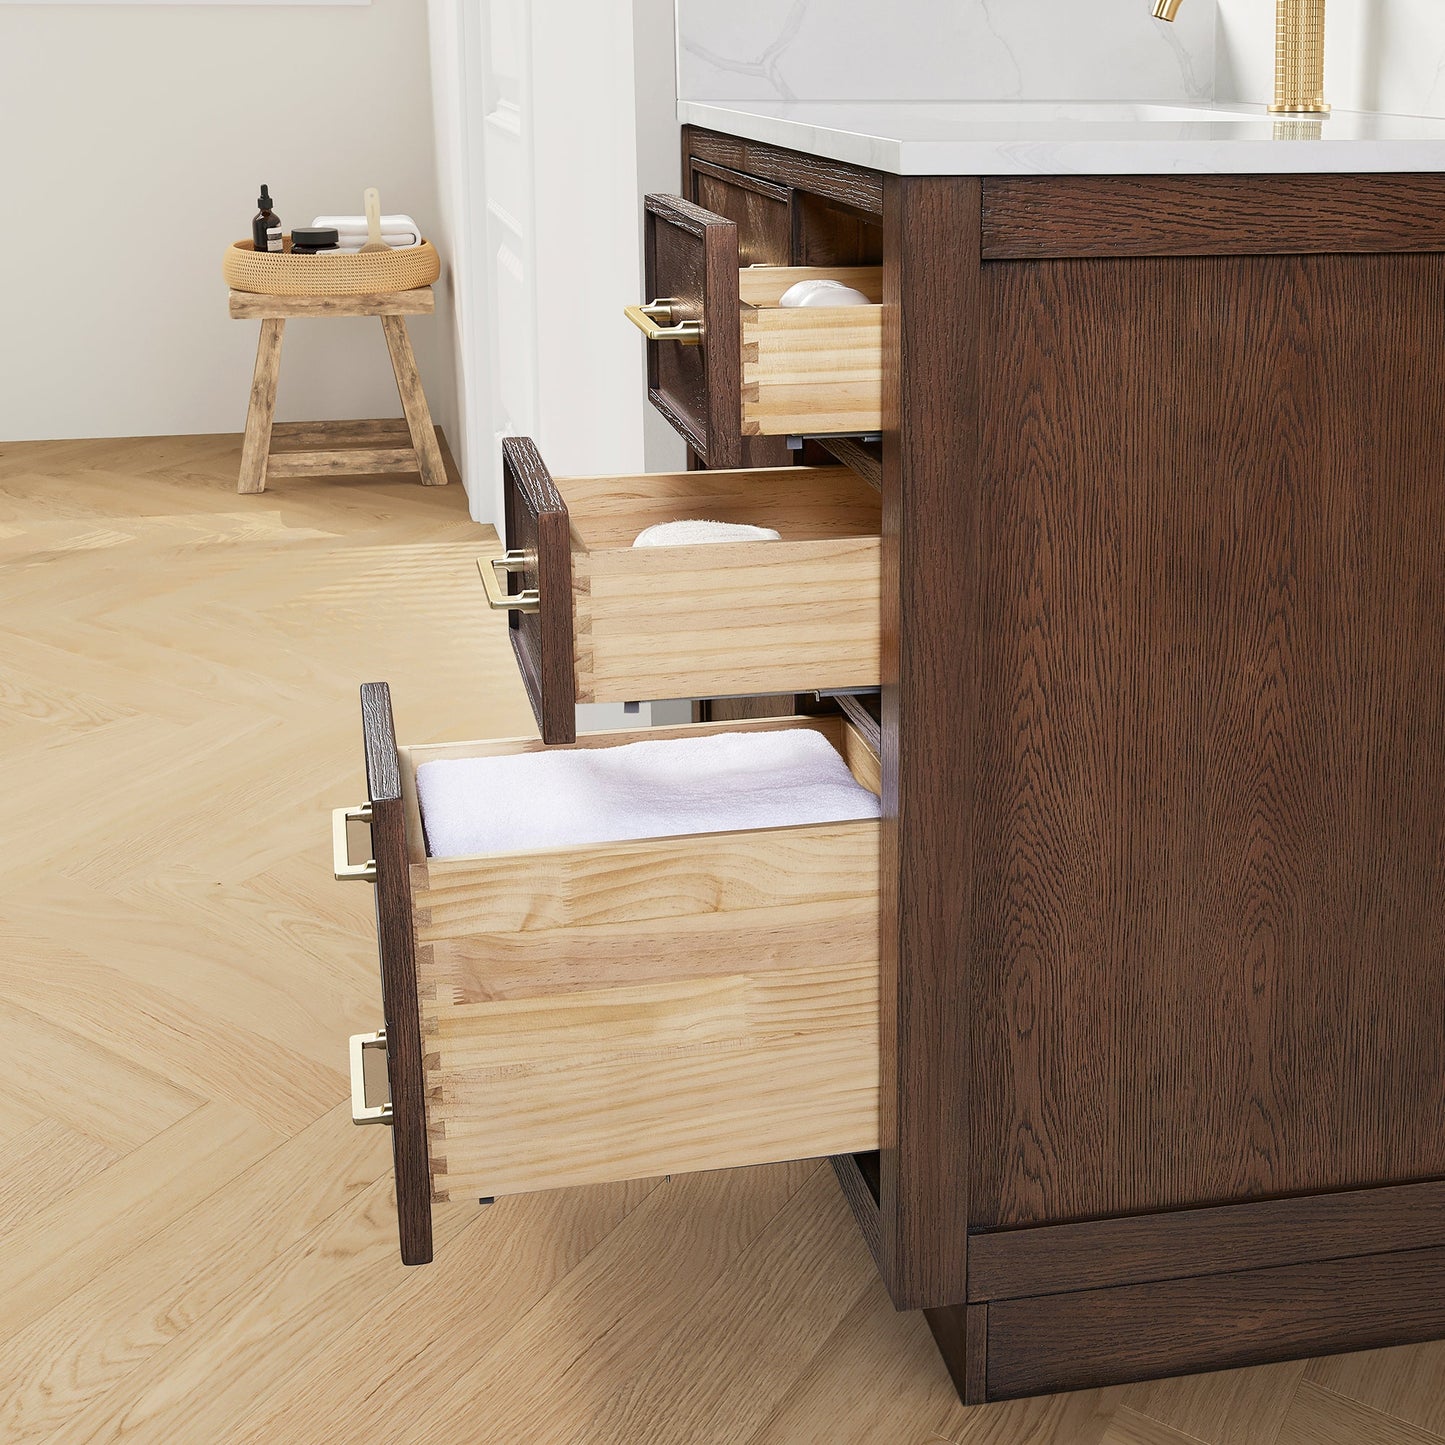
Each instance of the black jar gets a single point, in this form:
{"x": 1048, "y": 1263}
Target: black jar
{"x": 313, "y": 240}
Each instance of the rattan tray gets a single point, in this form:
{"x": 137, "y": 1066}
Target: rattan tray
{"x": 347, "y": 274}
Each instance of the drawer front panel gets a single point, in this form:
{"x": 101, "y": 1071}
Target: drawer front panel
{"x": 536, "y": 525}
{"x": 692, "y": 257}
{"x": 397, "y": 949}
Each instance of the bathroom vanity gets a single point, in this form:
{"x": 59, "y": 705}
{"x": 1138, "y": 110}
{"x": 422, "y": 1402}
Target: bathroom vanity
{"x": 1126, "y": 1025}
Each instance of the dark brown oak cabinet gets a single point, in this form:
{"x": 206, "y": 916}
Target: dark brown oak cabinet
{"x": 1161, "y": 868}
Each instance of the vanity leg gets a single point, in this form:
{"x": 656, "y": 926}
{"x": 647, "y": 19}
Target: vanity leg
{"x": 961, "y": 1334}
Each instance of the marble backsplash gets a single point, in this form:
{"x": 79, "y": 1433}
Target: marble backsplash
{"x": 944, "y": 50}
{"x": 1384, "y": 55}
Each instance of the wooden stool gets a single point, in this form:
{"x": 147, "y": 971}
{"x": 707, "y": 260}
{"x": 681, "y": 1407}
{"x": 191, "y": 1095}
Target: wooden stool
{"x": 259, "y": 463}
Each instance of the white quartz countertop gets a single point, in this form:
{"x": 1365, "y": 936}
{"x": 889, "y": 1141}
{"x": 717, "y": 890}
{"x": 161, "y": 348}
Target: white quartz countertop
{"x": 1015, "y": 138}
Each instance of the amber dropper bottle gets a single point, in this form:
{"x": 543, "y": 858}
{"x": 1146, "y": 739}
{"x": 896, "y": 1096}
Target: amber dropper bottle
{"x": 266, "y": 225}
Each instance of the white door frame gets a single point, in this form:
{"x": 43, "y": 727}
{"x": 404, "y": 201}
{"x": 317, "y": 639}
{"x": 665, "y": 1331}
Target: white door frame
{"x": 537, "y": 158}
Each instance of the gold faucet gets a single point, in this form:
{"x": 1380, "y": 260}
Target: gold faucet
{"x": 1299, "y": 54}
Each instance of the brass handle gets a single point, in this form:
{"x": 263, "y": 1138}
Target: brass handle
{"x": 650, "y": 319}
{"x": 361, "y": 1111}
{"x": 341, "y": 865}
{"x": 528, "y": 600}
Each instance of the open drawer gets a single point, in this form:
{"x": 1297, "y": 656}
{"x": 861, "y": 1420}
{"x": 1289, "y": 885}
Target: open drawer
{"x": 595, "y": 619}
{"x": 575, "y": 1015}
{"x": 725, "y": 361}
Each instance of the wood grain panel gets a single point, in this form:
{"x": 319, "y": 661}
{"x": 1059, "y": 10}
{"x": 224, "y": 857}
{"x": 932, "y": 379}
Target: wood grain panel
{"x": 413, "y": 402}
{"x": 761, "y": 210}
{"x": 1030, "y": 217}
{"x": 398, "y": 976}
{"x": 343, "y": 462}
{"x": 853, "y": 186}
{"x": 537, "y": 524}
{"x": 827, "y": 232}
{"x": 733, "y": 1079}
{"x": 251, "y": 305}
{"x": 748, "y": 879}
{"x": 368, "y": 432}
{"x": 732, "y": 618}
{"x": 1053, "y": 1258}
{"x": 859, "y": 1185}
{"x": 811, "y": 369}
{"x": 1215, "y": 1322}
{"x": 931, "y": 707}
{"x": 962, "y": 1338}
{"x": 861, "y": 457}
{"x": 261, "y": 407}
{"x": 711, "y": 1029}
{"x": 692, "y": 256}
{"x": 1206, "y": 933}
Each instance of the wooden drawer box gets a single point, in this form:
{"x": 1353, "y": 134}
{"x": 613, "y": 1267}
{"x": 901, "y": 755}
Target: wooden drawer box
{"x": 594, "y": 619}
{"x": 728, "y": 362}
{"x": 573, "y": 1015}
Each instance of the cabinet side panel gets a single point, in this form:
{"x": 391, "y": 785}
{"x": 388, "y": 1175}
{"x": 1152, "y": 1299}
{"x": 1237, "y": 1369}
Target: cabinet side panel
{"x": 1209, "y": 836}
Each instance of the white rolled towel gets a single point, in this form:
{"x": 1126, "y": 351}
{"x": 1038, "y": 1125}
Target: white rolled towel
{"x": 822, "y": 291}
{"x": 655, "y": 789}
{"x": 347, "y": 227}
{"x": 690, "y": 534}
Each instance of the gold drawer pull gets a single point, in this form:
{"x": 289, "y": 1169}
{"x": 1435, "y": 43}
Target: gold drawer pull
{"x": 361, "y": 1111}
{"x": 529, "y": 600}
{"x": 341, "y": 865}
{"x": 655, "y": 322}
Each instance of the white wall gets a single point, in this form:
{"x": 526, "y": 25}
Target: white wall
{"x": 944, "y": 50}
{"x": 1379, "y": 54}
{"x": 134, "y": 140}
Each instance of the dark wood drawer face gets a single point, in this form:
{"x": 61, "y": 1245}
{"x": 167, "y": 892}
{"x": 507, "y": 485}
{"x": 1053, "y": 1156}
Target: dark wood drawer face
{"x": 757, "y": 369}
{"x": 609, "y": 1011}
{"x": 599, "y": 620}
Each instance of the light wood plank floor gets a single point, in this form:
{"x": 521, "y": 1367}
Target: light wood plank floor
{"x": 198, "y": 1246}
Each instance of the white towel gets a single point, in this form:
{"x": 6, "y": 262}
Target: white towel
{"x": 399, "y": 241}
{"x": 659, "y": 789}
{"x": 688, "y": 534}
{"x": 349, "y": 226}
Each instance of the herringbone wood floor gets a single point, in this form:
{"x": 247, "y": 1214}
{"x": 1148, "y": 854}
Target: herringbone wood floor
{"x": 198, "y": 1246}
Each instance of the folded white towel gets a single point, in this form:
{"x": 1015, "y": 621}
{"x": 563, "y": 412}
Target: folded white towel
{"x": 398, "y": 241}
{"x": 688, "y": 534}
{"x": 345, "y": 226}
{"x": 656, "y": 789}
